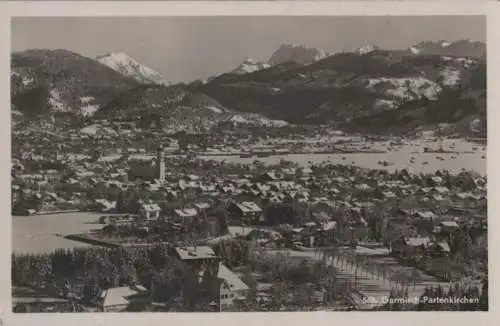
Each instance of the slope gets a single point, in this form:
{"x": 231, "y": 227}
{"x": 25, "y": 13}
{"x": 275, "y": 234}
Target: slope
{"x": 46, "y": 82}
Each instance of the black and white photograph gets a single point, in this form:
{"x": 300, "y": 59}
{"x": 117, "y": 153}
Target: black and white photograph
{"x": 248, "y": 164}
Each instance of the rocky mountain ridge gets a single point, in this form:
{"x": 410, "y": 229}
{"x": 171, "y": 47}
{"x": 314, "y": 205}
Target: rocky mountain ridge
{"x": 369, "y": 89}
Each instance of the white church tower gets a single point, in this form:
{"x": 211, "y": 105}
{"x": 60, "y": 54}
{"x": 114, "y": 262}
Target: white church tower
{"x": 160, "y": 164}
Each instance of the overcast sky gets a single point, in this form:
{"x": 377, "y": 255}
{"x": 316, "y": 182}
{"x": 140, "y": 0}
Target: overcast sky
{"x": 189, "y": 48}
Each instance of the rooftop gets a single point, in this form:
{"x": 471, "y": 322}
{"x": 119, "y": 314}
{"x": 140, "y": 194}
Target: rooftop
{"x": 187, "y": 212}
{"x": 198, "y": 252}
{"x": 234, "y": 282}
{"x": 121, "y": 295}
{"x": 248, "y": 207}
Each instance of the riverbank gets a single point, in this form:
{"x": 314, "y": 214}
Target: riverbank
{"x": 92, "y": 240}
{"x": 58, "y": 212}
{"x": 88, "y": 239}
{"x": 42, "y": 233}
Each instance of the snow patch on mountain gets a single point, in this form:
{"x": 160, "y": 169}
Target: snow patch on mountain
{"x": 55, "y": 102}
{"x": 272, "y": 123}
{"x": 367, "y": 48}
{"x": 249, "y": 66}
{"x": 296, "y": 53}
{"x": 28, "y": 80}
{"x": 87, "y": 109}
{"x": 239, "y": 119}
{"x": 466, "y": 62}
{"x": 386, "y": 104}
{"x": 129, "y": 67}
{"x": 214, "y": 109}
{"x": 450, "y": 77}
{"x": 90, "y": 130}
{"x": 414, "y": 50}
{"x": 256, "y": 119}
{"x": 407, "y": 88}
{"x": 459, "y": 48}
{"x": 16, "y": 112}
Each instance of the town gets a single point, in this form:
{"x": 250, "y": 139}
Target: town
{"x": 249, "y": 164}
{"x": 179, "y": 232}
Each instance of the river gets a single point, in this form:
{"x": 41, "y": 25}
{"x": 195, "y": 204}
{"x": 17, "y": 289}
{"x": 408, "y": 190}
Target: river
{"x": 41, "y": 233}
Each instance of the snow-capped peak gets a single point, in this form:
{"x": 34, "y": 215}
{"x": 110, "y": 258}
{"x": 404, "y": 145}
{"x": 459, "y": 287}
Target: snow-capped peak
{"x": 415, "y": 50}
{"x": 367, "y": 48}
{"x": 296, "y": 53}
{"x": 129, "y": 67}
{"x": 250, "y": 65}
{"x": 445, "y": 44}
{"x": 459, "y": 48}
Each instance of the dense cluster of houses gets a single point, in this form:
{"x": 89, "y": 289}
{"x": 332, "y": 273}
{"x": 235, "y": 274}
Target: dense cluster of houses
{"x": 170, "y": 192}
{"x": 273, "y": 206}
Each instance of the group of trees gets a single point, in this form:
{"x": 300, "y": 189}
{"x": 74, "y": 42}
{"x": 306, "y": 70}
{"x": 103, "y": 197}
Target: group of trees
{"x": 297, "y": 284}
{"x": 86, "y": 272}
{"x": 234, "y": 252}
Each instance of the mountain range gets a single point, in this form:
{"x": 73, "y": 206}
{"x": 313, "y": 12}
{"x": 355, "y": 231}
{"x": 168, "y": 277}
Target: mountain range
{"x": 460, "y": 48}
{"x": 369, "y": 89}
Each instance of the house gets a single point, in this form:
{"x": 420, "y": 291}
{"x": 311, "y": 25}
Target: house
{"x": 463, "y": 195}
{"x": 201, "y": 207}
{"x": 447, "y": 226}
{"x": 232, "y": 288}
{"x": 104, "y": 205}
{"x": 150, "y": 211}
{"x": 442, "y": 190}
{"x": 321, "y": 217}
{"x": 389, "y": 194}
{"x": 119, "y": 220}
{"x": 439, "y": 249}
{"x": 192, "y": 177}
{"x": 126, "y": 298}
{"x": 247, "y": 212}
{"x": 268, "y": 177}
{"x": 202, "y": 258}
{"x": 426, "y": 215}
{"x": 363, "y": 187}
{"x": 195, "y": 253}
{"x": 411, "y": 247}
{"x": 438, "y": 197}
{"x": 307, "y": 237}
{"x": 264, "y": 236}
{"x": 325, "y": 234}
{"x": 207, "y": 189}
{"x": 306, "y": 171}
{"x": 437, "y": 180}
{"x": 185, "y": 215}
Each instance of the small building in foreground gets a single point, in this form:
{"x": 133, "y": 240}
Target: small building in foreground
{"x": 232, "y": 288}
{"x": 126, "y": 298}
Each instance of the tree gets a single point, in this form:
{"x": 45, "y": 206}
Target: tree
{"x": 127, "y": 202}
